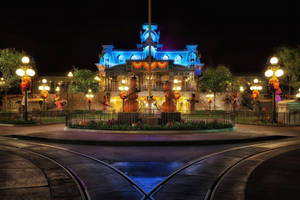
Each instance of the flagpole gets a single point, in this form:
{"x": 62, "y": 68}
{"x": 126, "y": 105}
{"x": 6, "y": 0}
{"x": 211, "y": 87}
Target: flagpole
{"x": 149, "y": 58}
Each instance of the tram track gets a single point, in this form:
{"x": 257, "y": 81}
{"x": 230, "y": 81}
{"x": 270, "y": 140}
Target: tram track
{"x": 210, "y": 193}
{"x": 81, "y": 183}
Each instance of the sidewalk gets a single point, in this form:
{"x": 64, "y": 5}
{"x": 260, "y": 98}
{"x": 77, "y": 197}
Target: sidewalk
{"x": 58, "y": 133}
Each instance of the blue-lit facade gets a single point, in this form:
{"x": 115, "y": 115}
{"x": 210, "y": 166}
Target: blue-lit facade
{"x": 187, "y": 57}
{"x": 181, "y": 67}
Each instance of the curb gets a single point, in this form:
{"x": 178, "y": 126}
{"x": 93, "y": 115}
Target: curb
{"x": 148, "y": 143}
{"x": 152, "y": 132}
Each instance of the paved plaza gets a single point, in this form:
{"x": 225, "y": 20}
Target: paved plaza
{"x": 50, "y": 162}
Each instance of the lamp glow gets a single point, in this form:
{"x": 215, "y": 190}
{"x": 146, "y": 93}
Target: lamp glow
{"x": 175, "y": 81}
{"x": 255, "y": 80}
{"x": 20, "y": 72}
{"x": 41, "y": 87}
{"x": 274, "y": 60}
{"x": 30, "y": 72}
{"x": 44, "y": 80}
{"x": 279, "y": 72}
{"x": 126, "y": 88}
{"x": 57, "y": 89}
{"x": 242, "y": 89}
{"x": 47, "y": 88}
{"x": 123, "y": 81}
{"x": 97, "y": 78}
{"x": 121, "y": 88}
{"x": 70, "y": 74}
{"x": 25, "y": 60}
{"x": 269, "y": 73}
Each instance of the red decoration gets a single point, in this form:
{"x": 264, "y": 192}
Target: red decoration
{"x": 137, "y": 65}
{"x": 162, "y": 65}
{"x": 255, "y": 94}
{"x": 123, "y": 94}
{"x": 274, "y": 82}
{"x": 168, "y": 105}
{"x": 131, "y": 104}
{"x": 44, "y": 94}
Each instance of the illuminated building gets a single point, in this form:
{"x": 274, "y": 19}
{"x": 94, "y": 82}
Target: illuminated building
{"x": 117, "y": 66}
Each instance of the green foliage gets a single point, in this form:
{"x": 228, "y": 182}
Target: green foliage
{"x": 83, "y": 80}
{"x": 172, "y": 126}
{"x": 10, "y": 60}
{"x": 216, "y": 79}
{"x": 289, "y": 60}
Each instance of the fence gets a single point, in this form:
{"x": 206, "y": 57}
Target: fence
{"x": 265, "y": 118}
{"x": 241, "y": 117}
{"x": 146, "y": 118}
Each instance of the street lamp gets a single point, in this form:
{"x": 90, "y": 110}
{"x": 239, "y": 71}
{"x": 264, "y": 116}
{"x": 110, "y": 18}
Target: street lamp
{"x": 44, "y": 88}
{"x": 25, "y": 72}
{"x": 273, "y": 72}
{"x": 89, "y": 97}
{"x": 255, "y": 88}
{"x": 209, "y": 99}
{"x": 2, "y": 81}
{"x": 123, "y": 94}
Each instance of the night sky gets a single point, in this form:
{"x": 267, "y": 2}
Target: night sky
{"x": 239, "y": 34}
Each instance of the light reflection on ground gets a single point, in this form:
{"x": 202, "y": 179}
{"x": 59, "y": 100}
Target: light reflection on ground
{"x": 148, "y": 174}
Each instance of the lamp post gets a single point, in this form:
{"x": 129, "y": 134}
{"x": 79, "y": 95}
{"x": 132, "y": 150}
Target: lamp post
{"x": 255, "y": 88}
{"x": 273, "y": 72}
{"x": 25, "y": 72}
{"x": 70, "y": 76}
{"x": 44, "y": 88}
{"x": 123, "y": 95}
{"x": 89, "y": 97}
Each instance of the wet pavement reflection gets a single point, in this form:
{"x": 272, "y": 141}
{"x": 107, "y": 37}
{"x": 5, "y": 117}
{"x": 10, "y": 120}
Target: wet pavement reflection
{"x": 148, "y": 174}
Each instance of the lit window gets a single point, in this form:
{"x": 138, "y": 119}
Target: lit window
{"x": 134, "y": 57}
{"x": 166, "y": 57}
{"x": 178, "y": 59}
{"x": 121, "y": 59}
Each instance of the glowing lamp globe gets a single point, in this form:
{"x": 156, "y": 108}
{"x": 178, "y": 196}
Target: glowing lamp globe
{"x": 20, "y": 72}
{"x": 269, "y": 73}
{"x": 274, "y": 60}
{"x": 279, "y": 72}
{"x": 126, "y": 88}
{"x": 44, "y": 80}
{"x": 30, "y": 72}
{"x": 70, "y": 74}
{"x": 298, "y": 95}
{"x": 41, "y": 87}
{"x": 121, "y": 88}
{"x": 255, "y": 80}
{"x": 25, "y": 60}
{"x": 242, "y": 89}
{"x": 47, "y": 88}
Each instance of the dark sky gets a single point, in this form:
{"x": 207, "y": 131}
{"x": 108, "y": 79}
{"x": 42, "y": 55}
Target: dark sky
{"x": 239, "y": 34}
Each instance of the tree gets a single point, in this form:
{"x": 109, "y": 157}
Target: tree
{"x": 10, "y": 60}
{"x": 83, "y": 80}
{"x": 215, "y": 80}
{"x": 289, "y": 60}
